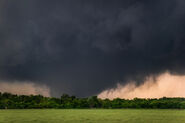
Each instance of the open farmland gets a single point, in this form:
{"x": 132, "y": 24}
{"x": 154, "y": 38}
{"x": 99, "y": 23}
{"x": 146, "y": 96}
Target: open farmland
{"x": 92, "y": 116}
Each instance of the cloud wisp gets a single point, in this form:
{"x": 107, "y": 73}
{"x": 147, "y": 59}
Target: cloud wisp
{"x": 25, "y": 88}
{"x": 165, "y": 85}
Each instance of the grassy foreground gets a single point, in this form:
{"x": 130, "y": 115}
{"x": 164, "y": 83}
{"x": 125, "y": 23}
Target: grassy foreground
{"x": 92, "y": 116}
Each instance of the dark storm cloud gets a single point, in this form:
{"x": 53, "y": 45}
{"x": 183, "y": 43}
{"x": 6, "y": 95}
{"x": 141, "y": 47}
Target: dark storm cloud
{"x": 82, "y": 47}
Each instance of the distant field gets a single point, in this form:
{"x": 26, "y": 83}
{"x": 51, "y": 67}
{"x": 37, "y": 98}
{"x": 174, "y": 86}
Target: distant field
{"x": 92, "y": 116}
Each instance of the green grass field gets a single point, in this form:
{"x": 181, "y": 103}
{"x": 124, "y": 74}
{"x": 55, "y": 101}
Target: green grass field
{"x": 92, "y": 116}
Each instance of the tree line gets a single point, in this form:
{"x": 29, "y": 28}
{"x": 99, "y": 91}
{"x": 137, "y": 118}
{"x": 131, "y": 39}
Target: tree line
{"x": 12, "y": 101}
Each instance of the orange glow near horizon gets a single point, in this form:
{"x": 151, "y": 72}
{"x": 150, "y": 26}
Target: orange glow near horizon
{"x": 24, "y": 88}
{"x": 165, "y": 85}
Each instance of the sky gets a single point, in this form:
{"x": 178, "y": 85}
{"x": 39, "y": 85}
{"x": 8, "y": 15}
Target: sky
{"x": 88, "y": 47}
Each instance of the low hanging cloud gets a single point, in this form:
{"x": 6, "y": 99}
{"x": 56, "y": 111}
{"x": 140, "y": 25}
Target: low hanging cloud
{"x": 25, "y": 88}
{"x": 81, "y": 47}
{"x": 165, "y": 85}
